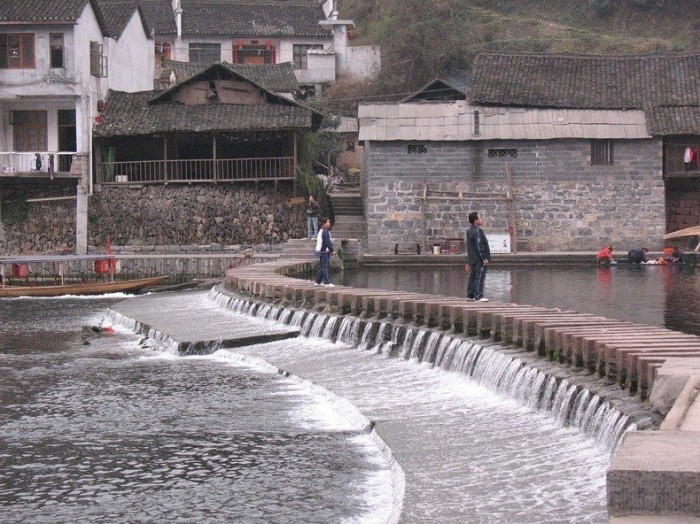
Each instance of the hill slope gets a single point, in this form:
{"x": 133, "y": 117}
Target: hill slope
{"x": 424, "y": 39}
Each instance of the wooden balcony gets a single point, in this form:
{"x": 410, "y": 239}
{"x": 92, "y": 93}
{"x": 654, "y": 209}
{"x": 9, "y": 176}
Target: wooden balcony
{"x": 196, "y": 170}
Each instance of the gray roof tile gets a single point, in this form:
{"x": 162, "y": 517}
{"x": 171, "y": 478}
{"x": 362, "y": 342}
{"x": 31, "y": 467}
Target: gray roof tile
{"x": 593, "y": 82}
{"x": 159, "y": 16}
{"x": 130, "y": 114}
{"x": 149, "y": 112}
{"x": 278, "y": 78}
{"x": 114, "y": 15}
{"x": 256, "y": 18}
{"x": 41, "y": 10}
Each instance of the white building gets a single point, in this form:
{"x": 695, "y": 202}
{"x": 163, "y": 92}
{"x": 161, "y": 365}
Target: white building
{"x": 57, "y": 62}
{"x": 306, "y": 33}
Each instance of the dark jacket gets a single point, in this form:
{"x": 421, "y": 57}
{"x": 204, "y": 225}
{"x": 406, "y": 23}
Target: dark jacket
{"x": 477, "y": 246}
{"x": 313, "y": 209}
{"x": 326, "y": 243}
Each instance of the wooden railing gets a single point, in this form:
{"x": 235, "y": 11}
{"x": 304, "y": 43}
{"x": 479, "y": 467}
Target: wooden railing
{"x": 674, "y": 165}
{"x": 188, "y": 171}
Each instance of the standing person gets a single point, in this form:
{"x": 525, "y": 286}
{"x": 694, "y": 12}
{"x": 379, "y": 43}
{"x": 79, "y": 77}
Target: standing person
{"x": 312, "y": 212}
{"x": 324, "y": 250}
{"x": 478, "y": 258}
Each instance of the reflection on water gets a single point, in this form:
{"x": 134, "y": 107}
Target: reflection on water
{"x": 656, "y": 295}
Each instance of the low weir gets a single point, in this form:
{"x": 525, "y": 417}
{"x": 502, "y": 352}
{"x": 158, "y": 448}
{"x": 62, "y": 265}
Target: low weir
{"x": 632, "y": 359}
{"x": 571, "y": 400}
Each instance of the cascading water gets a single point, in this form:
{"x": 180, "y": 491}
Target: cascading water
{"x": 570, "y": 405}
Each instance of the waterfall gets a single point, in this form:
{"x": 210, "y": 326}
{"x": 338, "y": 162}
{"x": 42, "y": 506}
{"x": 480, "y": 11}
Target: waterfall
{"x": 568, "y": 404}
{"x": 347, "y": 332}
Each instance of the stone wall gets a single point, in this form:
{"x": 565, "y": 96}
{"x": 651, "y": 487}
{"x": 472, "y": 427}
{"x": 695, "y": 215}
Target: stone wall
{"x": 38, "y": 227}
{"x": 158, "y": 215}
{"x": 195, "y": 215}
{"x": 561, "y": 201}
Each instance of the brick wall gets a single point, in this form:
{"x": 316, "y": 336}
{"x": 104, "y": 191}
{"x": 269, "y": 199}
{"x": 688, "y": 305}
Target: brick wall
{"x": 561, "y": 201}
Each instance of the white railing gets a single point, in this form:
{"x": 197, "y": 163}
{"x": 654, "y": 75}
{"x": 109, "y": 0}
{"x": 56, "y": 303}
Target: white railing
{"x": 41, "y": 162}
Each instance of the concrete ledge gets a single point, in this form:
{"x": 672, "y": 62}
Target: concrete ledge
{"x": 655, "y": 473}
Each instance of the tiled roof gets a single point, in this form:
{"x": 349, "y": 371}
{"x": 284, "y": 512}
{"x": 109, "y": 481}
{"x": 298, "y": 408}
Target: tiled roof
{"x": 114, "y": 15}
{"x": 263, "y": 19}
{"x": 159, "y": 16}
{"x": 41, "y": 10}
{"x": 667, "y": 120}
{"x": 592, "y": 82}
{"x": 278, "y": 78}
{"x": 130, "y": 114}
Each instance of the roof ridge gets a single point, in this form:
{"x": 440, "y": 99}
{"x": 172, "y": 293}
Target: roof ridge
{"x": 659, "y": 54}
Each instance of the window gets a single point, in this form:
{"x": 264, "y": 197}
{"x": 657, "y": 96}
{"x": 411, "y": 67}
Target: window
{"x": 98, "y": 62}
{"x": 414, "y": 149}
{"x": 300, "y": 57}
{"x": 162, "y": 52}
{"x": 202, "y": 53}
{"x": 477, "y": 124}
{"x": 254, "y": 54}
{"x": 30, "y": 130}
{"x": 503, "y": 153}
{"x": 56, "y": 57}
{"x": 602, "y": 153}
{"x": 17, "y": 51}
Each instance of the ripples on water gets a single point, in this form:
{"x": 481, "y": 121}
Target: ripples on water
{"x": 111, "y": 432}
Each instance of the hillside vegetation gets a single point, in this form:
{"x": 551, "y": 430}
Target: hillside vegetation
{"x": 425, "y": 39}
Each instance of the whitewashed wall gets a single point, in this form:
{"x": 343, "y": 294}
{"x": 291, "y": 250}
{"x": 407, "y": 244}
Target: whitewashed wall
{"x": 131, "y": 58}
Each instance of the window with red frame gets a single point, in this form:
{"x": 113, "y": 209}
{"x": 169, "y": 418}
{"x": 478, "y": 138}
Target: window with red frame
{"x": 254, "y": 53}
{"x": 17, "y": 51}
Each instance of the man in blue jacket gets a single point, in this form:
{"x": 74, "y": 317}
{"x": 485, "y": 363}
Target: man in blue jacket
{"x": 324, "y": 250}
{"x": 478, "y": 258}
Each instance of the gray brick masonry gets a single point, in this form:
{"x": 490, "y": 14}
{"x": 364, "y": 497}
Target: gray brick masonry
{"x": 561, "y": 201}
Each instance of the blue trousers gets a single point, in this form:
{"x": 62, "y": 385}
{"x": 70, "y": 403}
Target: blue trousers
{"x": 323, "y": 263}
{"x": 312, "y": 226}
{"x": 475, "y": 286}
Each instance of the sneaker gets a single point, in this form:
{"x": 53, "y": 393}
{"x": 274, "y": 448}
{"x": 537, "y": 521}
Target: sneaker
{"x": 330, "y": 285}
{"x": 470, "y": 299}
{"x": 317, "y": 284}
{"x": 483, "y": 299}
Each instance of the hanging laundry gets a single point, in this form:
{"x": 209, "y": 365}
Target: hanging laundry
{"x": 688, "y": 158}
{"x": 51, "y": 166}
{"x": 36, "y": 164}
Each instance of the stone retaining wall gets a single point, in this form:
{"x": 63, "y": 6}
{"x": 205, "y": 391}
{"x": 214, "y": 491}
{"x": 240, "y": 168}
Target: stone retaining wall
{"x": 133, "y": 216}
{"x": 197, "y": 214}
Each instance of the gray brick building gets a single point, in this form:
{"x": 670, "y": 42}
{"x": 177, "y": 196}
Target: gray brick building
{"x": 565, "y": 152}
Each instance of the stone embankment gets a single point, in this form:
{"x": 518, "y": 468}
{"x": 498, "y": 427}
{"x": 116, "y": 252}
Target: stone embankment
{"x": 653, "y": 472}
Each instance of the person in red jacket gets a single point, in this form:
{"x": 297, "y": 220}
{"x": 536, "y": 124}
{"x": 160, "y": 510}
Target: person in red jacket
{"x": 605, "y": 255}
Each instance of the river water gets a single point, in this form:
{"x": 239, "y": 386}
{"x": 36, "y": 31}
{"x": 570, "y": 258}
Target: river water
{"x": 656, "y": 295}
{"x": 121, "y": 430}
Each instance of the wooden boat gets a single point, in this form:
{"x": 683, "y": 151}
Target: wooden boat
{"x": 688, "y": 232}
{"x": 86, "y": 288}
{"x": 104, "y": 265}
